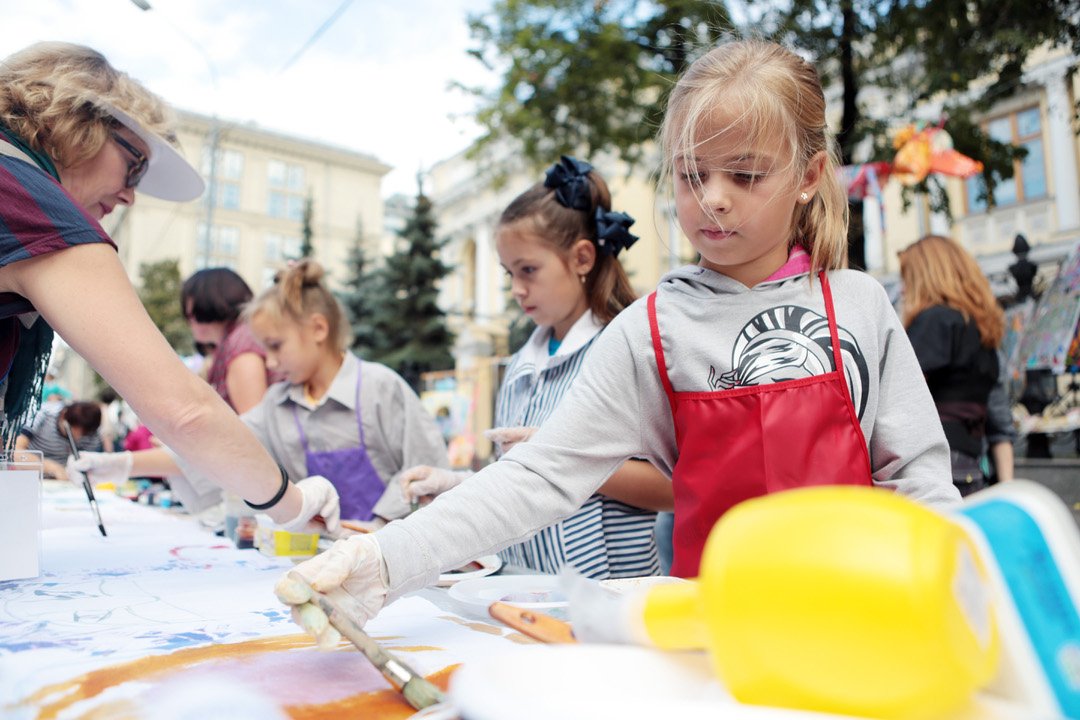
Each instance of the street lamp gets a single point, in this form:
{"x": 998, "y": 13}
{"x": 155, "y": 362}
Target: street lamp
{"x": 211, "y": 185}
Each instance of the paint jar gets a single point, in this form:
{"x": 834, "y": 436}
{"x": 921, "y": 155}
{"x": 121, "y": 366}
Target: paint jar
{"x": 239, "y": 521}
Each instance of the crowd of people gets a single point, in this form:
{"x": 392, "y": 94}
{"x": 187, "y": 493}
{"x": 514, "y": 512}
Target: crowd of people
{"x": 763, "y": 367}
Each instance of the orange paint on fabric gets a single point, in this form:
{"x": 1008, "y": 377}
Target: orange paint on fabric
{"x": 384, "y": 704}
{"x": 307, "y": 683}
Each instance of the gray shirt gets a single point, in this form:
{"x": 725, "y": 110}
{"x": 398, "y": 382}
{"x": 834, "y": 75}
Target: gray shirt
{"x": 716, "y": 333}
{"x": 399, "y": 432}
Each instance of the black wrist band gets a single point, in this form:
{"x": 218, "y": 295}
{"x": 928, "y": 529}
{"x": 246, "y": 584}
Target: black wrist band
{"x": 277, "y": 498}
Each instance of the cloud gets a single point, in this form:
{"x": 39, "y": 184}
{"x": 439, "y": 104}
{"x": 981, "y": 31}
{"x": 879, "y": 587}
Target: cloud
{"x": 376, "y": 81}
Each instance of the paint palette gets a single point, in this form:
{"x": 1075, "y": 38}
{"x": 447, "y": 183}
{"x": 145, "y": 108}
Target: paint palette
{"x": 535, "y": 592}
{"x": 478, "y": 568}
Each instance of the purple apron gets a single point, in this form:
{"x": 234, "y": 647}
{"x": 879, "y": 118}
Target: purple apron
{"x": 349, "y": 470}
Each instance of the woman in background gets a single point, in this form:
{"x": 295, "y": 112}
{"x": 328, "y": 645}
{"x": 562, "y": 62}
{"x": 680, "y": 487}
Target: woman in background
{"x": 212, "y": 300}
{"x": 955, "y": 325}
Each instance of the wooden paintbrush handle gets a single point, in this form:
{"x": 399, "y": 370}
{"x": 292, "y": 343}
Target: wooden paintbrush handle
{"x": 418, "y": 691}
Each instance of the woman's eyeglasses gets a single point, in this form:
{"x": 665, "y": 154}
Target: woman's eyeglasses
{"x": 137, "y": 169}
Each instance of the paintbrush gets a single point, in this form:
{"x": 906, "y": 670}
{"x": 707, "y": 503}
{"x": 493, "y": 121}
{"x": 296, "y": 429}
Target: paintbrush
{"x": 86, "y": 479}
{"x": 418, "y": 691}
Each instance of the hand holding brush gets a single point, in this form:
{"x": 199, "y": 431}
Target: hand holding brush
{"x": 324, "y": 615}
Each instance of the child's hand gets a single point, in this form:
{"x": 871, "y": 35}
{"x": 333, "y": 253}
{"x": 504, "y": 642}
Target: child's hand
{"x": 101, "y": 467}
{"x": 507, "y": 437}
{"x": 352, "y": 572}
{"x": 424, "y": 480}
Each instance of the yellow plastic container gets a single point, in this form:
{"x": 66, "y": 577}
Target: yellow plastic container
{"x": 836, "y": 599}
{"x": 282, "y": 543}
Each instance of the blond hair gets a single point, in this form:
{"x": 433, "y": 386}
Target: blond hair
{"x": 769, "y": 93}
{"x": 607, "y": 287}
{"x": 52, "y": 95}
{"x": 936, "y": 270}
{"x": 298, "y": 293}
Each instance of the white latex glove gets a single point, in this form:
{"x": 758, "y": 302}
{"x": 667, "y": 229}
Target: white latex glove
{"x": 320, "y": 498}
{"x": 424, "y": 480}
{"x": 352, "y": 572}
{"x": 507, "y": 437}
{"x": 101, "y": 467}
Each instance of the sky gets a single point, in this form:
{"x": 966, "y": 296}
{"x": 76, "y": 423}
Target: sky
{"x": 375, "y": 81}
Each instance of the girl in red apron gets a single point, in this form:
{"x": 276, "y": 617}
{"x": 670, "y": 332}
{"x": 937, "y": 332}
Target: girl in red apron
{"x": 764, "y": 367}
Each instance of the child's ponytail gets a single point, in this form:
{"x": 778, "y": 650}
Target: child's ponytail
{"x": 299, "y": 292}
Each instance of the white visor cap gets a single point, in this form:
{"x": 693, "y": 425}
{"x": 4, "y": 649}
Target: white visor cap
{"x": 169, "y": 175}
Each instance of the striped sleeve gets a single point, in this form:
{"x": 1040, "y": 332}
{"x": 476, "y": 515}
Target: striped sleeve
{"x": 38, "y": 216}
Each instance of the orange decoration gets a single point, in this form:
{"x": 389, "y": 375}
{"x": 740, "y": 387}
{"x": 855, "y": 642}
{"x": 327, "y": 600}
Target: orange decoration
{"x": 925, "y": 150}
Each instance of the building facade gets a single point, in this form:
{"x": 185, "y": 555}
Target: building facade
{"x": 250, "y": 219}
{"x": 1041, "y": 201}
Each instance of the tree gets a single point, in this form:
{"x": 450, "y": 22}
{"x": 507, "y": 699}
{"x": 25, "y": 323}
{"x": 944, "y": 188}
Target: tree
{"x": 593, "y": 76}
{"x": 408, "y": 329}
{"x": 307, "y": 249}
{"x": 360, "y": 293}
{"x": 951, "y": 43}
{"x": 915, "y": 51}
{"x": 586, "y": 76}
{"x": 159, "y": 291}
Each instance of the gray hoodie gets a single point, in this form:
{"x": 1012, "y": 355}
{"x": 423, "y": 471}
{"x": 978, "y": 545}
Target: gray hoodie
{"x": 717, "y": 334}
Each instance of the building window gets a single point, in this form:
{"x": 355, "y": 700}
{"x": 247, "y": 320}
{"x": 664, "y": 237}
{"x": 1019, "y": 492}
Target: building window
{"x": 230, "y": 165}
{"x": 1023, "y": 128}
{"x": 228, "y": 195}
{"x": 227, "y": 174}
{"x": 286, "y": 199}
{"x": 279, "y": 248}
{"x": 283, "y": 205}
{"x": 223, "y": 249}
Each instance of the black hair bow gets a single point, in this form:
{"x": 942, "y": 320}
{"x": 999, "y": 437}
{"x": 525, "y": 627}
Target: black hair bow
{"x": 568, "y": 178}
{"x": 613, "y": 231}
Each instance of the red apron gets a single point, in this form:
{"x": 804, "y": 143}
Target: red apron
{"x": 746, "y": 442}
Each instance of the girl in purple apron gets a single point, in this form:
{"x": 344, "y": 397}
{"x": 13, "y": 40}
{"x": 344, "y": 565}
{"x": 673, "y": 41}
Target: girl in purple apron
{"x": 355, "y": 423}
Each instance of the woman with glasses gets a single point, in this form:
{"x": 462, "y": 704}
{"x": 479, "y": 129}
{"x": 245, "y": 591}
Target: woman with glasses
{"x": 77, "y": 138}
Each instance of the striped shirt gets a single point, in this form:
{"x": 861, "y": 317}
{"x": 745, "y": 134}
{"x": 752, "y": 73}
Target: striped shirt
{"x": 44, "y": 435}
{"x": 604, "y": 538}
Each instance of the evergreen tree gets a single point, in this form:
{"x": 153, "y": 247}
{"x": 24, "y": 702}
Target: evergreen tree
{"x": 160, "y": 294}
{"x": 307, "y": 248}
{"x": 358, "y": 297}
{"x": 408, "y": 328}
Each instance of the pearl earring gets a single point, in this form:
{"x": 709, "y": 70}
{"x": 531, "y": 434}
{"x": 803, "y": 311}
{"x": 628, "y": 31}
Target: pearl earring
{"x": 582, "y": 279}
{"x": 804, "y": 197}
